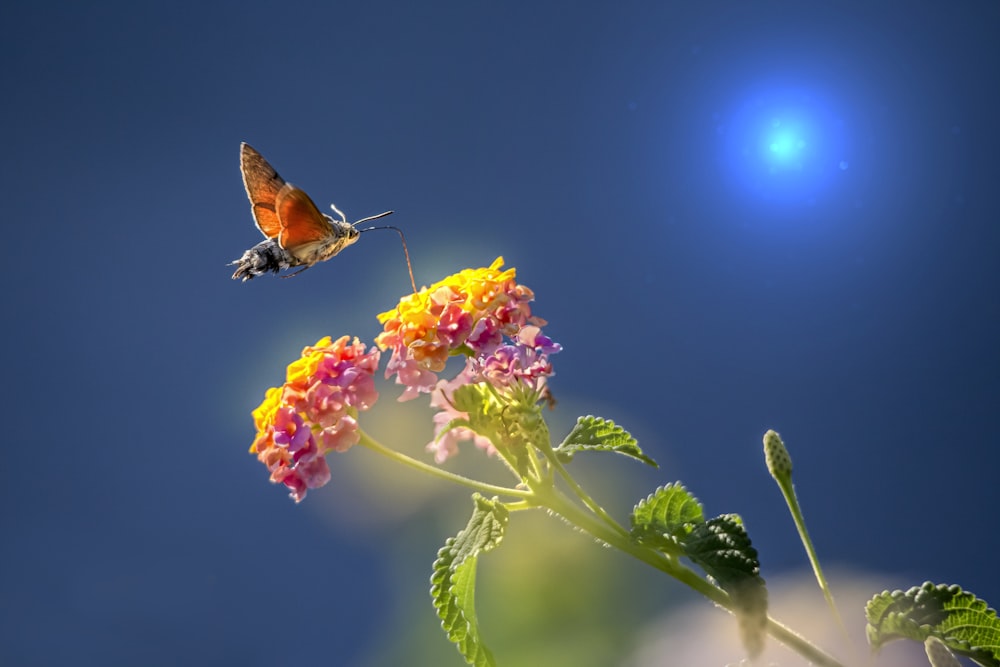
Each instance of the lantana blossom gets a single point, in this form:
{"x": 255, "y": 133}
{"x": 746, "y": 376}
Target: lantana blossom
{"x": 483, "y": 314}
{"x": 314, "y": 412}
{"x": 467, "y": 313}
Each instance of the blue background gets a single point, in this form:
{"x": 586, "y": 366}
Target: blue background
{"x": 735, "y": 215}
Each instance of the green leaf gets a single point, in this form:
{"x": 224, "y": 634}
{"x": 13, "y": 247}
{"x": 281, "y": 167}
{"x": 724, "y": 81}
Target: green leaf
{"x": 963, "y": 622}
{"x": 665, "y": 517}
{"x": 453, "y": 580}
{"x": 477, "y": 402}
{"x": 672, "y": 520}
{"x": 722, "y": 548}
{"x": 509, "y": 427}
{"x": 594, "y": 434}
{"x": 471, "y": 398}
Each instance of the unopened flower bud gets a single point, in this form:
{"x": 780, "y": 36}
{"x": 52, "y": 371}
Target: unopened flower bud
{"x": 779, "y": 463}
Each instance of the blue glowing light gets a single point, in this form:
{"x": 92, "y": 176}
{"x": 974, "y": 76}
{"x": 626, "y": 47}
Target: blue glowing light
{"x": 786, "y": 147}
{"x": 782, "y": 144}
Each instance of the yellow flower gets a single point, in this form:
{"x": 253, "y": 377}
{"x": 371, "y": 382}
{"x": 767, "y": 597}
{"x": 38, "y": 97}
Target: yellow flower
{"x": 263, "y": 416}
{"x": 305, "y": 366}
{"x": 471, "y": 289}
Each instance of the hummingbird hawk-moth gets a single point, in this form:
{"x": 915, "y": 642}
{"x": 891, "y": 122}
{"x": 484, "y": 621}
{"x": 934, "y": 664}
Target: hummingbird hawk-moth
{"x": 296, "y": 232}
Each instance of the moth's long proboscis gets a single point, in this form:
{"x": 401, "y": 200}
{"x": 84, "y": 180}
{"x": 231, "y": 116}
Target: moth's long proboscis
{"x": 406, "y": 251}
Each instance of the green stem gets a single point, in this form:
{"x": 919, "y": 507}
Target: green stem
{"x": 800, "y": 645}
{"x": 553, "y": 500}
{"x": 788, "y": 491}
{"x": 556, "y": 502}
{"x": 581, "y": 494}
{"x": 376, "y": 446}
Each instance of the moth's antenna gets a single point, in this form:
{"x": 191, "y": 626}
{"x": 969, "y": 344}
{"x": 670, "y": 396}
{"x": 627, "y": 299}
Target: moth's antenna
{"x": 343, "y": 218}
{"x": 371, "y": 217}
{"x": 402, "y": 238}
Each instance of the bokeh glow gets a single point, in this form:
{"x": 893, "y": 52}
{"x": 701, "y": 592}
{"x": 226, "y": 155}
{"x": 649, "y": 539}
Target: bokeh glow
{"x": 783, "y": 145}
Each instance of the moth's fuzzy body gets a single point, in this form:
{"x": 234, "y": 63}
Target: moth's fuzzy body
{"x": 269, "y": 257}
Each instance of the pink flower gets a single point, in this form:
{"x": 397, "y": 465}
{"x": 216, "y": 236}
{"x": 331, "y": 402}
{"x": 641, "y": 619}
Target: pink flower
{"x": 411, "y": 375}
{"x": 314, "y": 412}
{"x": 290, "y": 431}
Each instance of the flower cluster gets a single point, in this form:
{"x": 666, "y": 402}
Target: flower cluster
{"x": 470, "y": 313}
{"x": 467, "y": 313}
{"x": 482, "y": 314}
{"x": 314, "y": 412}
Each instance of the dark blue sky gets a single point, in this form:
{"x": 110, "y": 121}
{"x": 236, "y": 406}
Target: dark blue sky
{"x": 736, "y": 216}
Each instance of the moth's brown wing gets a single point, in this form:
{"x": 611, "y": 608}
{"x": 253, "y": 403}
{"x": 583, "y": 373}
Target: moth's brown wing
{"x": 300, "y": 220}
{"x": 262, "y": 183}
